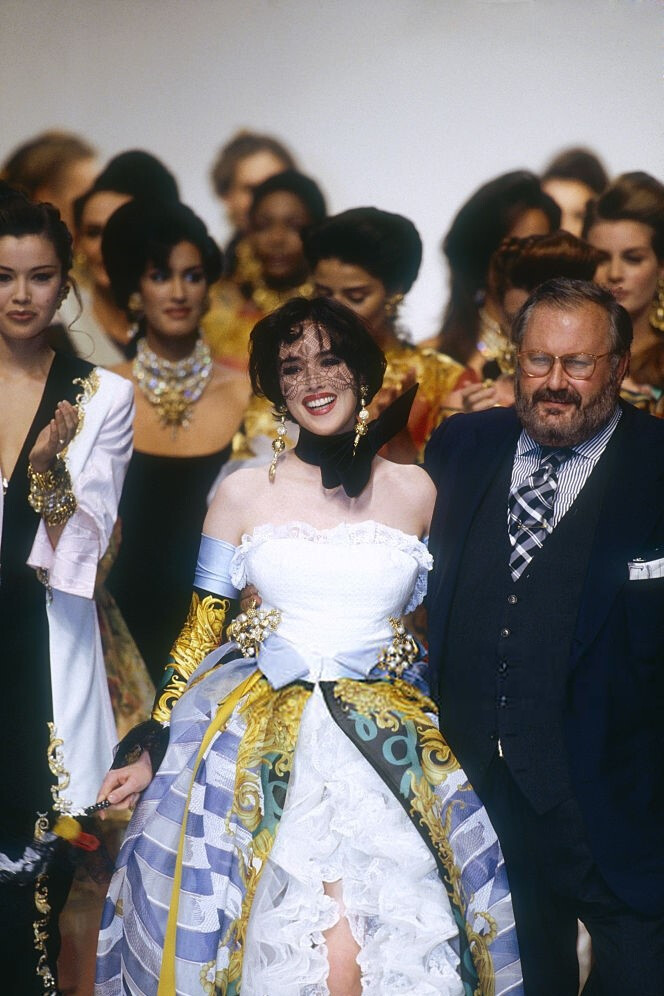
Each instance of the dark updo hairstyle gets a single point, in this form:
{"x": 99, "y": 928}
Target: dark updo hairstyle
{"x": 137, "y": 174}
{"x": 476, "y": 232}
{"x": 349, "y": 337}
{"x": 293, "y": 182}
{"x": 137, "y": 234}
{"x": 20, "y": 216}
{"x": 634, "y": 196}
{"x": 577, "y": 164}
{"x": 387, "y": 246}
{"x": 526, "y": 263}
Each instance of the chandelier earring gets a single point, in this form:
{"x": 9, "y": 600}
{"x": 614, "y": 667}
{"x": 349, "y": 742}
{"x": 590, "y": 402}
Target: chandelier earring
{"x": 362, "y": 419}
{"x": 391, "y": 304}
{"x": 656, "y": 316}
{"x": 279, "y": 442}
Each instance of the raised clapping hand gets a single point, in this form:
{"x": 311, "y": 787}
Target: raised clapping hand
{"x": 123, "y": 786}
{"x": 54, "y": 437}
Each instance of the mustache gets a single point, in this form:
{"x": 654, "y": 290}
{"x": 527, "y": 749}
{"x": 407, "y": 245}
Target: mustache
{"x": 566, "y": 395}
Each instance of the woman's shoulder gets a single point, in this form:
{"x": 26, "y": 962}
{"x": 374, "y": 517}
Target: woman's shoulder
{"x": 119, "y": 390}
{"x": 409, "y": 490}
{"x": 237, "y": 500}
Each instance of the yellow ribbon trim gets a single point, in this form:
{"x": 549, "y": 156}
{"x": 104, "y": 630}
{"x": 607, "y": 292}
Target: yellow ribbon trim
{"x": 226, "y": 707}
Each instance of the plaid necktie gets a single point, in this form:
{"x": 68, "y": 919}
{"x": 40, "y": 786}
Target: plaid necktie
{"x": 530, "y": 509}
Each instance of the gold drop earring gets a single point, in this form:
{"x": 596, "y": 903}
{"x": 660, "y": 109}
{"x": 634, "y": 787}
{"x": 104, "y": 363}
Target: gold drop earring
{"x": 391, "y": 305}
{"x": 362, "y": 420}
{"x": 278, "y": 443}
{"x": 656, "y": 316}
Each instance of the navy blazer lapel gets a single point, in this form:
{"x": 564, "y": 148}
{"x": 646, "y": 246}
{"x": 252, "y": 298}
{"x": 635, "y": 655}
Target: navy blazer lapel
{"x": 633, "y": 502}
{"x": 473, "y": 461}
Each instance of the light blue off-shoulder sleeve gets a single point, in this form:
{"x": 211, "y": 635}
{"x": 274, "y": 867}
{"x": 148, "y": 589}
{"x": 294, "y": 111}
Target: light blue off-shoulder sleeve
{"x": 213, "y": 567}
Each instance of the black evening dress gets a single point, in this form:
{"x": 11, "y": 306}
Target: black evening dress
{"x": 161, "y": 512}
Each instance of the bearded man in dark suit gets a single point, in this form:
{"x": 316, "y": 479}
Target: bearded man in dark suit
{"x": 546, "y": 633}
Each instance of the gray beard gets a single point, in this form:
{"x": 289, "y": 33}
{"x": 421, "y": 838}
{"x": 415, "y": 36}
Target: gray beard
{"x": 586, "y": 423}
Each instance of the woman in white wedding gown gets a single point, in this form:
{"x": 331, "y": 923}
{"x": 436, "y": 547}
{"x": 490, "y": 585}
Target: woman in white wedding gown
{"x": 308, "y": 830}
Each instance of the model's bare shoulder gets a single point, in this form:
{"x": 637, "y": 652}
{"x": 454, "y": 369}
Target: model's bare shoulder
{"x": 410, "y": 489}
{"x": 231, "y": 511}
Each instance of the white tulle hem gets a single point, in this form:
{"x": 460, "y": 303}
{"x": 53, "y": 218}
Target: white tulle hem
{"x": 341, "y": 823}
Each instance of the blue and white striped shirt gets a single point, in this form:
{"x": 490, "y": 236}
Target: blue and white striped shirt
{"x": 572, "y": 474}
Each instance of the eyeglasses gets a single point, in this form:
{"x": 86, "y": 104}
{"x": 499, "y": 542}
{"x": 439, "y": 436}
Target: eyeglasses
{"x": 578, "y": 366}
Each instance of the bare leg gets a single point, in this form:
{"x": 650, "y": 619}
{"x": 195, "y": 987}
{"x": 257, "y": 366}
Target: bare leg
{"x": 342, "y": 950}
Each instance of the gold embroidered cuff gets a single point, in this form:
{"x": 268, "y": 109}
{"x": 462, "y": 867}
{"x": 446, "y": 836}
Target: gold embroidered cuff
{"x": 201, "y": 633}
{"x": 51, "y": 495}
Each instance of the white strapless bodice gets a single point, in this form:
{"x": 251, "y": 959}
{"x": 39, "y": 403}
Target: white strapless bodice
{"x": 335, "y": 588}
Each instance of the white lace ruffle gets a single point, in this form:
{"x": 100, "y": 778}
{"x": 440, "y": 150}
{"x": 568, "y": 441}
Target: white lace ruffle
{"x": 342, "y": 823}
{"x": 345, "y": 533}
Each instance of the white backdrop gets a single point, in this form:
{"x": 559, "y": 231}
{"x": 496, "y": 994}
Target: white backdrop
{"x": 405, "y": 104}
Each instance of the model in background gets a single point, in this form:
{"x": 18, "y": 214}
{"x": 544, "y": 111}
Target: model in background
{"x": 626, "y": 224}
{"x": 572, "y": 178}
{"x": 54, "y": 166}
{"x": 368, "y": 260}
{"x": 511, "y": 205}
{"x": 161, "y": 263}
{"x": 101, "y": 332}
{"x": 243, "y": 164}
{"x": 65, "y": 441}
{"x": 283, "y": 209}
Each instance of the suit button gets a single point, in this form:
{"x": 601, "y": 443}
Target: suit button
{"x": 505, "y": 632}
{"x": 512, "y": 599}
{"x": 502, "y": 666}
{"x": 502, "y": 701}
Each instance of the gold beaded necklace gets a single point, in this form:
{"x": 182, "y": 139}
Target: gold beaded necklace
{"x": 173, "y": 388}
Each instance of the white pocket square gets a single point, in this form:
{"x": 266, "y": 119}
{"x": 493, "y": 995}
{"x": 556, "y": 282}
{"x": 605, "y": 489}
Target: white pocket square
{"x": 643, "y": 570}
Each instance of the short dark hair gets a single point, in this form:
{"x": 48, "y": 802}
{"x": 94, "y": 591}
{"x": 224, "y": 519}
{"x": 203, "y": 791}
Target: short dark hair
{"x": 241, "y": 146}
{"x": 137, "y": 234}
{"x": 570, "y": 295}
{"x": 386, "y": 245}
{"x": 20, "y": 216}
{"x": 577, "y": 164}
{"x": 293, "y": 182}
{"x": 633, "y": 196}
{"x": 136, "y": 173}
{"x": 350, "y": 340}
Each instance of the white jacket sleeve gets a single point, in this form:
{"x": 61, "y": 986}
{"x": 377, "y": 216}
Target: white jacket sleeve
{"x": 97, "y": 460}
